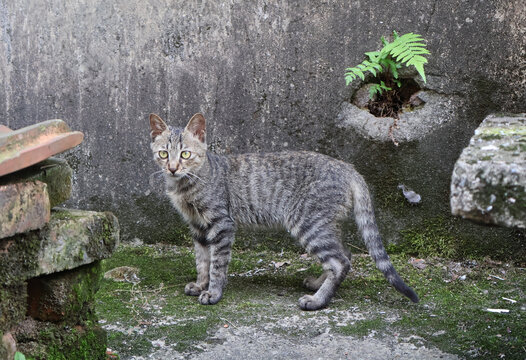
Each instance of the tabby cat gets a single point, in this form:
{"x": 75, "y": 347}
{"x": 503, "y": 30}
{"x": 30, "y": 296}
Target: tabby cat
{"x": 306, "y": 192}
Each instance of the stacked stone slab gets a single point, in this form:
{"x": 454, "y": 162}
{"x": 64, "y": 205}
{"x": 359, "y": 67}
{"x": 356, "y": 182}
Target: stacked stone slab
{"x": 489, "y": 178}
{"x": 50, "y": 266}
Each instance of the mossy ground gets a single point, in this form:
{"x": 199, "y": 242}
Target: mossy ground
{"x": 264, "y": 287}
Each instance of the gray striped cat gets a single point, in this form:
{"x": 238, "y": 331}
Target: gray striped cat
{"x": 308, "y": 193}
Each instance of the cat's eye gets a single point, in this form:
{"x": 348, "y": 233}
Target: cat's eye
{"x": 186, "y": 154}
{"x": 163, "y": 154}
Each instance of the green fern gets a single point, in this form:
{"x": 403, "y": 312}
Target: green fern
{"x": 408, "y": 49}
{"x": 378, "y": 89}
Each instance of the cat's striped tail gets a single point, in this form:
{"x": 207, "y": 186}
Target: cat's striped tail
{"x": 365, "y": 220}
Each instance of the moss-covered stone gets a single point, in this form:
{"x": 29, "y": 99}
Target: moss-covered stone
{"x": 54, "y": 172}
{"x": 65, "y": 296}
{"x": 488, "y": 179}
{"x": 40, "y": 340}
{"x": 13, "y": 305}
{"x": 23, "y": 207}
{"x": 72, "y": 238}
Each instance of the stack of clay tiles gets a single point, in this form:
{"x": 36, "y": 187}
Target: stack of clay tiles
{"x": 49, "y": 256}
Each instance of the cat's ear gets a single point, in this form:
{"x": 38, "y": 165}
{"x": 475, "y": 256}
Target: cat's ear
{"x": 197, "y": 127}
{"x": 157, "y": 126}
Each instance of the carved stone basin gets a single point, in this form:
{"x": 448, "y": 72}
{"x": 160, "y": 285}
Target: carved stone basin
{"x": 30, "y": 145}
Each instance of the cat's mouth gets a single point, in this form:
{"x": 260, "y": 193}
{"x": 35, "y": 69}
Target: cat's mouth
{"x": 175, "y": 174}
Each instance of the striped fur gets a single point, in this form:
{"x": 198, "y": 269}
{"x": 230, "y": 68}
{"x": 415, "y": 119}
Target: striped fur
{"x": 307, "y": 193}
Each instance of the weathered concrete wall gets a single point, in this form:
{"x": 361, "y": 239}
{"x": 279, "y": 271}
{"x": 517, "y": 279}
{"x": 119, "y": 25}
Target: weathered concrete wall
{"x": 267, "y": 75}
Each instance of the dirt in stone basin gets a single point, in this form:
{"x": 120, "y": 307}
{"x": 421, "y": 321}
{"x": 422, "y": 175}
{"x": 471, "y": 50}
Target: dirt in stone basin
{"x": 152, "y": 318}
{"x": 391, "y": 103}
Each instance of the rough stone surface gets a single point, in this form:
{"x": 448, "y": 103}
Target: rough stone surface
{"x": 13, "y": 305}
{"x": 55, "y": 172}
{"x": 65, "y": 296}
{"x": 489, "y": 178}
{"x": 23, "y": 207}
{"x": 72, "y": 238}
{"x": 412, "y": 126}
{"x": 45, "y": 340}
{"x": 268, "y": 76}
{"x": 7, "y": 346}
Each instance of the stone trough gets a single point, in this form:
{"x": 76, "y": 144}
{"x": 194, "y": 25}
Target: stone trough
{"x": 49, "y": 257}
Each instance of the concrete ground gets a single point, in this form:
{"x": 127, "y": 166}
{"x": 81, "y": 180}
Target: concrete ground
{"x": 254, "y": 343}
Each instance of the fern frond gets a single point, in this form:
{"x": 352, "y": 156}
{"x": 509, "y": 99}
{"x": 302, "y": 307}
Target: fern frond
{"x": 373, "y": 56}
{"x": 378, "y": 89}
{"x": 360, "y": 70}
{"x": 418, "y": 62}
{"x": 408, "y": 49}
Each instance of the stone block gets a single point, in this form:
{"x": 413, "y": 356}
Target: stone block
{"x": 65, "y": 296}
{"x": 55, "y": 172}
{"x": 7, "y": 345}
{"x": 23, "y": 207}
{"x": 489, "y": 178}
{"x": 13, "y": 305}
{"x": 72, "y": 238}
{"x": 45, "y": 340}
{"x": 27, "y": 146}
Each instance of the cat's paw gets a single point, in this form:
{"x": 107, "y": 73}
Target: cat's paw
{"x": 210, "y": 297}
{"x": 309, "y": 302}
{"x": 193, "y": 289}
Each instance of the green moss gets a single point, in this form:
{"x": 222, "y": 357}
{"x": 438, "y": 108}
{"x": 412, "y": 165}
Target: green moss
{"x": 491, "y": 136}
{"x": 20, "y": 261}
{"x": 454, "y": 315}
{"x": 79, "y": 345}
{"x": 431, "y": 238}
{"x": 513, "y": 147}
{"x": 455, "y": 238}
{"x": 12, "y": 304}
{"x": 491, "y": 133}
{"x": 84, "y": 289}
{"x": 60, "y": 342}
{"x": 451, "y": 314}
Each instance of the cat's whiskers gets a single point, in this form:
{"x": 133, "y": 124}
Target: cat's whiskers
{"x": 151, "y": 178}
{"x": 156, "y": 172}
{"x": 153, "y": 174}
{"x": 195, "y": 176}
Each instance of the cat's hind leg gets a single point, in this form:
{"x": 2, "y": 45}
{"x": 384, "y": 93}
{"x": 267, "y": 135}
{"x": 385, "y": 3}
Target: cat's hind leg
{"x": 325, "y": 244}
{"x": 312, "y": 283}
{"x": 202, "y": 262}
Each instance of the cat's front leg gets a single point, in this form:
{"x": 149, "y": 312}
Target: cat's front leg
{"x": 202, "y": 263}
{"x": 220, "y": 253}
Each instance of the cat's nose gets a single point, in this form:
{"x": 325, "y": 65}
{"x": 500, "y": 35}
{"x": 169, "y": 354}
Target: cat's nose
{"x": 172, "y": 170}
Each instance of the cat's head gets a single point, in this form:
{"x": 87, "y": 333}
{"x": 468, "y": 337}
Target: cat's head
{"x": 179, "y": 152}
